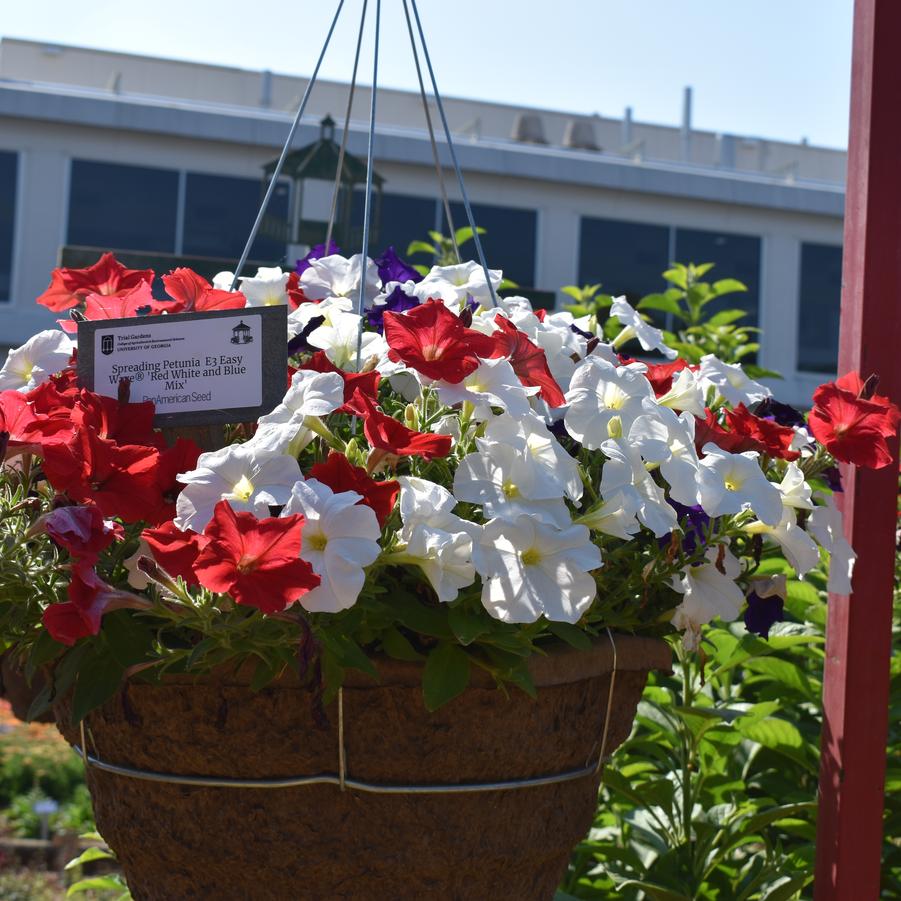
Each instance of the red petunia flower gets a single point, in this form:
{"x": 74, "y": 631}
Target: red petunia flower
{"x": 27, "y": 429}
{"x": 175, "y": 550}
{"x": 138, "y": 301}
{"x": 256, "y": 561}
{"x": 196, "y": 295}
{"x": 69, "y": 287}
{"x": 709, "y": 430}
{"x": 89, "y": 599}
{"x": 769, "y": 437}
{"x": 57, "y": 395}
{"x": 295, "y": 293}
{"x": 367, "y": 382}
{"x": 124, "y": 423}
{"x": 82, "y": 530}
{"x": 120, "y": 479}
{"x": 434, "y": 342}
{"x": 853, "y": 423}
{"x": 386, "y": 434}
{"x": 341, "y": 475}
{"x": 528, "y": 360}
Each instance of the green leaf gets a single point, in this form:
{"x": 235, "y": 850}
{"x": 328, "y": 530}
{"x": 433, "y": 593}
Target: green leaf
{"x": 418, "y": 618}
{"x": 98, "y": 680}
{"x": 653, "y": 890}
{"x": 467, "y": 625}
{"x": 128, "y": 638}
{"x": 421, "y": 247}
{"x": 96, "y": 884}
{"x": 726, "y": 317}
{"x": 661, "y": 302}
{"x": 446, "y": 675}
{"x": 347, "y": 652}
{"x": 88, "y": 855}
{"x": 788, "y": 887}
{"x": 396, "y": 645}
{"x": 464, "y": 234}
{"x": 728, "y": 286}
{"x": 572, "y": 635}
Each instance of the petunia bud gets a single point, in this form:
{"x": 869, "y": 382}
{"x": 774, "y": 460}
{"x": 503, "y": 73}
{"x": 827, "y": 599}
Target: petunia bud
{"x": 411, "y": 416}
{"x": 124, "y": 390}
{"x": 155, "y": 573}
{"x": 615, "y": 427}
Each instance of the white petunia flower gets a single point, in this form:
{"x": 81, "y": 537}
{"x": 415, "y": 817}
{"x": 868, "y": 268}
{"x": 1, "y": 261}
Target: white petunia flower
{"x": 731, "y": 382}
{"x": 794, "y": 489}
{"x": 250, "y": 480}
{"x": 796, "y": 544}
{"x": 531, "y": 569}
{"x": 333, "y": 307}
{"x": 337, "y": 276}
{"x": 453, "y": 284}
{"x": 708, "y": 590}
{"x": 624, "y": 474}
{"x": 222, "y": 281}
{"x": 339, "y": 538}
{"x": 685, "y": 395}
{"x": 649, "y": 337}
{"x": 662, "y": 437}
{"x": 41, "y": 356}
{"x": 825, "y": 524}
{"x": 505, "y": 480}
{"x": 492, "y": 384}
{"x": 283, "y": 431}
{"x": 445, "y": 559}
{"x": 339, "y": 341}
{"x": 531, "y": 434}
{"x": 604, "y": 400}
{"x": 730, "y": 483}
{"x": 267, "y": 288}
{"x": 616, "y": 516}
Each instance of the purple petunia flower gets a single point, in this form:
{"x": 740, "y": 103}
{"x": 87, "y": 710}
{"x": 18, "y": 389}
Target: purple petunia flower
{"x": 783, "y": 414}
{"x": 298, "y": 344}
{"x": 833, "y": 477}
{"x": 396, "y": 302}
{"x": 317, "y": 252}
{"x": 694, "y": 523}
{"x": 761, "y": 613}
{"x": 393, "y": 269}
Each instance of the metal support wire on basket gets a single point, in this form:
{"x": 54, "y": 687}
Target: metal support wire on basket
{"x": 344, "y": 782}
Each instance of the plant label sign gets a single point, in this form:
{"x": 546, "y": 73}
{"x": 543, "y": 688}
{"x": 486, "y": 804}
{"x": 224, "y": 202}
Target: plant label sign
{"x": 197, "y": 368}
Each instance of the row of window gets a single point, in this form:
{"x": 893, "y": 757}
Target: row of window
{"x": 140, "y": 208}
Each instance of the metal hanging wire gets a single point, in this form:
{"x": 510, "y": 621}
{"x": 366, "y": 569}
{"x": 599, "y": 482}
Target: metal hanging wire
{"x": 367, "y": 205}
{"x": 281, "y": 160}
{"x": 341, "y": 153}
{"x": 453, "y": 153}
{"x": 439, "y": 169}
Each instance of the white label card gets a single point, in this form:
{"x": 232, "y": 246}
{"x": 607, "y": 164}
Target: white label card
{"x": 201, "y": 364}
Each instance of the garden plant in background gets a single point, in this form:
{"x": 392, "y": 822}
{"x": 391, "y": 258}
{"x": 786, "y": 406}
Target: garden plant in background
{"x": 460, "y": 486}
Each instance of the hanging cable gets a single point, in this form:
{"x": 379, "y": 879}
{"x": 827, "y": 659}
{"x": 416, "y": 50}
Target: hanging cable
{"x": 281, "y": 160}
{"x": 367, "y": 206}
{"x": 343, "y": 150}
{"x": 450, "y": 146}
{"x": 428, "y": 121}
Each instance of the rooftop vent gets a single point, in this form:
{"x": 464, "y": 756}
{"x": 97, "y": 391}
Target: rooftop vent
{"x": 529, "y": 129}
{"x": 579, "y": 135}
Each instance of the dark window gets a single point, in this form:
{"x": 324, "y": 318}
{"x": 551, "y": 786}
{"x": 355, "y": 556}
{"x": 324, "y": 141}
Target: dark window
{"x": 8, "y": 172}
{"x": 625, "y": 257}
{"x": 734, "y": 256}
{"x": 821, "y": 289}
{"x": 114, "y": 207}
{"x": 404, "y": 219}
{"x": 220, "y": 211}
{"x": 509, "y": 239}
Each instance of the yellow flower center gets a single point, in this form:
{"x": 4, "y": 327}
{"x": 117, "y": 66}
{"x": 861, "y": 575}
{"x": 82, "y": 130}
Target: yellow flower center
{"x": 317, "y": 541}
{"x": 531, "y": 557}
{"x": 510, "y": 490}
{"x": 243, "y": 490}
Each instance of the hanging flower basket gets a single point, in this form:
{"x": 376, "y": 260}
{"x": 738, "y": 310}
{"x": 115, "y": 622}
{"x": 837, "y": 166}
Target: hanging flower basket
{"x": 319, "y": 841}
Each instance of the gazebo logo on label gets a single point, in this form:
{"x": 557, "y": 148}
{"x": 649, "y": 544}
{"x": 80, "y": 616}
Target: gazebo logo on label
{"x": 240, "y": 334}
{"x": 106, "y": 344}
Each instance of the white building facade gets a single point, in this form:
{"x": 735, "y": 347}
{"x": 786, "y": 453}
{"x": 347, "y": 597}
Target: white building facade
{"x": 161, "y": 161}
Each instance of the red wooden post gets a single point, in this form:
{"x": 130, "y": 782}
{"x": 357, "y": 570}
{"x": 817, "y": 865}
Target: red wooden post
{"x": 858, "y": 635}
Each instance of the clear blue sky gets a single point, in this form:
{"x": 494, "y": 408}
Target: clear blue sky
{"x": 768, "y": 68}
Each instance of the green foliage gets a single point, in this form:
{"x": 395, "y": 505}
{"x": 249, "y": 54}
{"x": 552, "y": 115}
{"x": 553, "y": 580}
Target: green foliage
{"x": 441, "y": 247}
